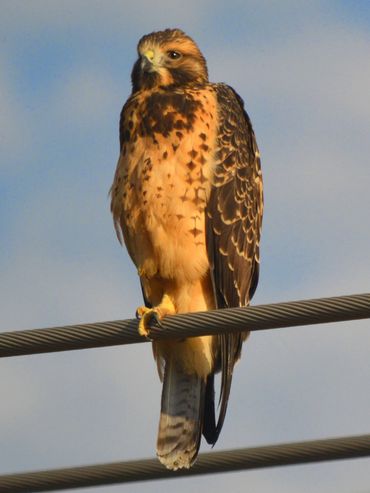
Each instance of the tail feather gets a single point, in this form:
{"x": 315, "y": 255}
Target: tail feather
{"x": 210, "y": 430}
{"x": 180, "y": 424}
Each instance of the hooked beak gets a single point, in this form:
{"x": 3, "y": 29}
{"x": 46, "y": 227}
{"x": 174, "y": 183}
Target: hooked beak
{"x": 147, "y": 60}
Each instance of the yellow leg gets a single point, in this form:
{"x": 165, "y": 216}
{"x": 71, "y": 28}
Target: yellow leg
{"x": 146, "y": 315}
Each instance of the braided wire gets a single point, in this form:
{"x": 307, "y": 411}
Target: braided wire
{"x": 213, "y": 462}
{"x": 271, "y": 316}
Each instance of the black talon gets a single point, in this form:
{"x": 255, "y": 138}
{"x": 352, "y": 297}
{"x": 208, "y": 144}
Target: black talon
{"x": 138, "y": 317}
{"x": 155, "y": 320}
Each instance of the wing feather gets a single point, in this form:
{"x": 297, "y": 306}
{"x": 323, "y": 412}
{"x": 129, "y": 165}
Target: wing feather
{"x": 233, "y": 224}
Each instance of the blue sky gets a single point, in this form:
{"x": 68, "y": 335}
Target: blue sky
{"x": 303, "y": 70}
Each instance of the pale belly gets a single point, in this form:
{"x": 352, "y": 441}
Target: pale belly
{"x": 165, "y": 229}
{"x": 164, "y": 207}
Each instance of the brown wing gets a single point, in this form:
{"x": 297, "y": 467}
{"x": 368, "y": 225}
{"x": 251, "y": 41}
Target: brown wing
{"x": 233, "y": 225}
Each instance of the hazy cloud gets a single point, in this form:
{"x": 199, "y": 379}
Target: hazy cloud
{"x": 304, "y": 73}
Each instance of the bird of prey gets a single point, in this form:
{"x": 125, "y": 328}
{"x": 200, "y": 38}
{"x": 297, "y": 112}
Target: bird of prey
{"x": 187, "y": 202}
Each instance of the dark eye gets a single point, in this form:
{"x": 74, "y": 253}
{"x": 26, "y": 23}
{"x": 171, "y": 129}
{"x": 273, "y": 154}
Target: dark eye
{"x": 174, "y": 55}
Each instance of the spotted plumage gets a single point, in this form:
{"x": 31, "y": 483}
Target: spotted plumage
{"x": 187, "y": 202}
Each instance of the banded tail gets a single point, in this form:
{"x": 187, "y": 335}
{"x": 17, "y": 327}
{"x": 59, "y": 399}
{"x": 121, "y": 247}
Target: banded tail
{"x": 181, "y": 420}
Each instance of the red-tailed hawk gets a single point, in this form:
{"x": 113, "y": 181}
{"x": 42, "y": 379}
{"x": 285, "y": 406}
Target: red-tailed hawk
{"x": 187, "y": 201}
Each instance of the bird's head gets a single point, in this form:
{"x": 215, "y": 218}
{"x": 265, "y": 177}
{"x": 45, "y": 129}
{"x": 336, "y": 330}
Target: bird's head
{"x": 166, "y": 58}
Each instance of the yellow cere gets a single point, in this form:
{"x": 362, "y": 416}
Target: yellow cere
{"x": 149, "y": 54}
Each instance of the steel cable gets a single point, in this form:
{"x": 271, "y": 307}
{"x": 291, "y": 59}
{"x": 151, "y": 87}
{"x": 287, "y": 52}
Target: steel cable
{"x": 272, "y": 316}
{"x": 207, "y": 463}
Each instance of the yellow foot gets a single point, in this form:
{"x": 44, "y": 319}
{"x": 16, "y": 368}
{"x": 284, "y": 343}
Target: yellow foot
{"x": 150, "y": 316}
{"x": 147, "y": 316}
